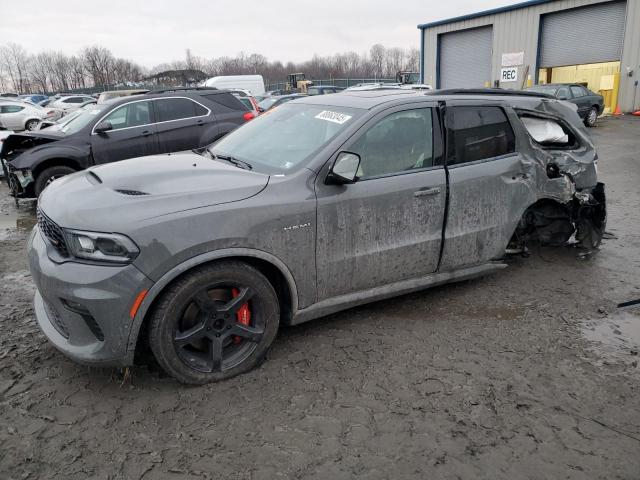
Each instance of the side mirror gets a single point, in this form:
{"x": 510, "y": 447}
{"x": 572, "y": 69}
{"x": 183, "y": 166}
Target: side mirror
{"x": 344, "y": 169}
{"x": 260, "y": 110}
{"x": 103, "y": 127}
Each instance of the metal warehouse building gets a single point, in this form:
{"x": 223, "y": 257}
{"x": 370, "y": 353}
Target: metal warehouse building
{"x": 592, "y": 42}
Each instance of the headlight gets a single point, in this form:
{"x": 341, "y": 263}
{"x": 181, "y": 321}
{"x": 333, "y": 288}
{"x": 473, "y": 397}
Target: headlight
{"x": 101, "y": 247}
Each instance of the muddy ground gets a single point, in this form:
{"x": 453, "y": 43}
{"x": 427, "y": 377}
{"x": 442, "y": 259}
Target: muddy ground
{"x": 528, "y": 373}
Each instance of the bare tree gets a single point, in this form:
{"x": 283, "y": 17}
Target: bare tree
{"x": 15, "y": 62}
{"x": 377, "y": 55}
{"x": 39, "y": 71}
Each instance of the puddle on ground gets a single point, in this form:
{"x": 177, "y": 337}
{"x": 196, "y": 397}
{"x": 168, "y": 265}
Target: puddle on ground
{"x": 616, "y": 336}
{"x": 21, "y": 220}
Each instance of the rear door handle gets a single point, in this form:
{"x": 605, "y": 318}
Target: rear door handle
{"x": 427, "y": 192}
{"x": 146, "y": 133}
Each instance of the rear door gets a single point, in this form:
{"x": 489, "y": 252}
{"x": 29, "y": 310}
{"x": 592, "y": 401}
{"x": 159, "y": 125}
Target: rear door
{"x": 387, "y": 226}
{"x": 582, "y": 99}
{"x": 133, "y": 133}
{"x": 12, "y": 116}
{"x": 488, "y": 191}
{"x": 180, "y": 123}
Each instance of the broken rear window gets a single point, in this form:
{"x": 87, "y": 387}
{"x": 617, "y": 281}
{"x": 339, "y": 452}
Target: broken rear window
{"x": 548, "y": 132}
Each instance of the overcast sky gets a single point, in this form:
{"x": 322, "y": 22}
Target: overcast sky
{"x": 157, "y": 31}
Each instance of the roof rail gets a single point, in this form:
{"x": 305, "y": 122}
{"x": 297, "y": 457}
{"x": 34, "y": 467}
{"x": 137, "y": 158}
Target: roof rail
{"x": 181, "y": 89}
{"x": 488, "y": 91}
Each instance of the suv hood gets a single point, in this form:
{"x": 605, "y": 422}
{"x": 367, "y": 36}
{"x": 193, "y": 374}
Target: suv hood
{"x": 107, "y": 197}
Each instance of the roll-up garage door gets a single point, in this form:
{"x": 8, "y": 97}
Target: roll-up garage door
{"x": 465, "y": 58}
{"x": 583, "y": 35}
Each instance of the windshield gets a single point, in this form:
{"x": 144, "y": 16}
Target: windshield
{"x": 280, "y": 141}
{"x": 80, "y": 121}
{"x": 268, "y": 102}
{"x": 548, "y": 89}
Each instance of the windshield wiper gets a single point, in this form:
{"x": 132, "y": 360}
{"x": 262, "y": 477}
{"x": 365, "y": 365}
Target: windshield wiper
{"x": 232, "y": 160}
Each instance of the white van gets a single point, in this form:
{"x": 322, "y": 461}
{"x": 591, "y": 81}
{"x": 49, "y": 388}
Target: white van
{"x": 253, "y": 83}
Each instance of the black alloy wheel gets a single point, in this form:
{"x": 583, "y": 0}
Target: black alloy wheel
{"x": 214, "y": 323}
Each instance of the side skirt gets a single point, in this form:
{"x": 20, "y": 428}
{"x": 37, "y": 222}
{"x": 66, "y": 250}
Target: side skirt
{"x": 349, "y": 300}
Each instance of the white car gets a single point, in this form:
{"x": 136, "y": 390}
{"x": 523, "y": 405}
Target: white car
{"x": 70, "y": 103}
{"x": 18, "y": 115}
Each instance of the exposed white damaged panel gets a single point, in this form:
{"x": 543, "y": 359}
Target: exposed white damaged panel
{"x": 545, "y": 130}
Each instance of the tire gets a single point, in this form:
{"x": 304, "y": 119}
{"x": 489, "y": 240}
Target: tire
{"x": 48, "y": 175}
{"x": 194, "y": 333}
{"x": 591, "y": 118}
{"x": 31, "y": 125}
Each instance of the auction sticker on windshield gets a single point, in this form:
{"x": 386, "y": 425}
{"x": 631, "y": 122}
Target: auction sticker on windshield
{"x": 335, "y": 117}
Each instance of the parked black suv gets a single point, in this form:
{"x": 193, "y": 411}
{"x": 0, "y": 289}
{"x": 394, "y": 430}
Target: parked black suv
{"x": 162, "y": 121}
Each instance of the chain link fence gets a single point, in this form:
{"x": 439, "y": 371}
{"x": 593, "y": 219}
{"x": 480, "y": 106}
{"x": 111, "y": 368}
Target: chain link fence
{"x": 336, "y": 82}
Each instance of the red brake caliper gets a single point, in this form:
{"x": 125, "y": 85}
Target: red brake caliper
{"x": 243, "y": 315}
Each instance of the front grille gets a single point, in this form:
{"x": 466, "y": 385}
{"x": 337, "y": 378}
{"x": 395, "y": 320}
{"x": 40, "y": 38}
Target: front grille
{"x": 56, "y": 320}
{"x": 53, "y": 233}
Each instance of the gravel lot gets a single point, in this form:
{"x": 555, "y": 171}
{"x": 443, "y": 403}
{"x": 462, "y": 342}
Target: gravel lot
{"x": 528, "y": 373}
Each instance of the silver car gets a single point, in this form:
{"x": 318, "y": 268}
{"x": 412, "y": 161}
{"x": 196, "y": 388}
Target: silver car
{"x": 19, "y": 115}
{"x": 70, "y": 103}
{"x": 323, "y": 204}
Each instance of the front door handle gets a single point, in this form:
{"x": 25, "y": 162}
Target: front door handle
{"x": 146, "y": 133}
{"x": 427, "y": 192}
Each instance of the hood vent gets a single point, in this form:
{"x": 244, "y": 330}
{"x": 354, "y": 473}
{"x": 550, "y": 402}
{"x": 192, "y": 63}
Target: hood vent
{"x": 133, "y": 193}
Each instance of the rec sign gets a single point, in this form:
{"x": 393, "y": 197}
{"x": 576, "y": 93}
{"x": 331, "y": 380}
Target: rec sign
{"x": 509, "y": 74}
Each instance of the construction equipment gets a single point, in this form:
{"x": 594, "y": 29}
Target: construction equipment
{"x": 297, "y": 82}
{"x": 405, "y": 77}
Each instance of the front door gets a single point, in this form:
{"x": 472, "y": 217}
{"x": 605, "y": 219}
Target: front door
{"x": 488, "y": 186}
{"x": 133, "y": 134}
{"x": 387, "y": 226}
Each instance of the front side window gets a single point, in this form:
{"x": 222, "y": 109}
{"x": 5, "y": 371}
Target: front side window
{"x": 563, "y": 93}
{"x": 177, "y": 108}
{"x": 399, "y": 142}
{"x": 478, "y": 133}
{"x": 130, "y": 115}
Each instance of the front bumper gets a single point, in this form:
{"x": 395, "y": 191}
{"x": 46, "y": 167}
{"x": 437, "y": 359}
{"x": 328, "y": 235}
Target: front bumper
{"x": 83, "y": 309}
{"x": 20, "y": 181}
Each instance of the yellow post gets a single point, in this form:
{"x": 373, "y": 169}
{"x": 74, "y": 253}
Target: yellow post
{"x": 487, "y": 84}
{"x": 614, "y": 94}
{"x": 529, "y": 81}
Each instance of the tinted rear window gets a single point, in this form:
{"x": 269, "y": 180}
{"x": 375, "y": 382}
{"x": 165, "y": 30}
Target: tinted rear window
{"x": 478, "y": 133}
{"x": 225, "y": 103}
{"x": 176, "y": 108}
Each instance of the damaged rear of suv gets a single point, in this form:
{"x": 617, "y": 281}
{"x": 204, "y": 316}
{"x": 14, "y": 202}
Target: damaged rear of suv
{"x": 573, "y": 201}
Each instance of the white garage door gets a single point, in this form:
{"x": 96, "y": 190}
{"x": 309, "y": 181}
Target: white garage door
{"x": 584, "y": 35}
{"x": 465, "y": 58}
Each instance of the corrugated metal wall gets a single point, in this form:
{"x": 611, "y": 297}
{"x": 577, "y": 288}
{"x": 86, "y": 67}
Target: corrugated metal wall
{"x": 468, "y": 54}
{"x": 518, "y": 31}
{"x": 579, "y": 36}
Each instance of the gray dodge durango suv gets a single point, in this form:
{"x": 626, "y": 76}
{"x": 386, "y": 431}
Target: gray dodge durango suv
{"x": 322, "y": 204}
